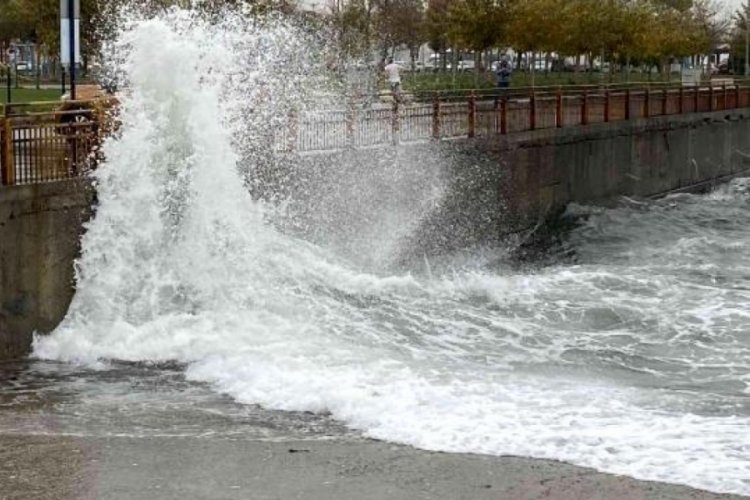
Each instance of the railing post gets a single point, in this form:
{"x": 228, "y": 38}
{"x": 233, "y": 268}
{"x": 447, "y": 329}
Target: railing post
{"x": 710, "y": 96}
{"x": 585, "y": 109}
{"x": 293, "y": 129}
{"x": 6, "y": 153}
{"x": 736, "y": 95}
{"x": 647, "y": 103}
{"x": 681, "y": 104}
{"x": 532, "y": 111}
{"x": 664, "y": 102}
{"x": 472, "y": 114}
{"x": 436, "y": 116}
{"x": 606, "y": 106}
{"x": 627, "y": 103}
{"x": 350, "y": 119}
{"x": 504, "y": 115}
{"x": 395, "y": 122}
{"x": 559, "y": 119}
{"x": 697, "y": 98}
{"x": 725, "y": 94}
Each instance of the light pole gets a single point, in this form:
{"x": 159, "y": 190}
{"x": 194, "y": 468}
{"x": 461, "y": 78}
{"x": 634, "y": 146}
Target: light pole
{"x": 69, "y": 32}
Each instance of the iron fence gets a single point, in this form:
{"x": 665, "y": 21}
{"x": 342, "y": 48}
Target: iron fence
{"x": 47, "y": 145}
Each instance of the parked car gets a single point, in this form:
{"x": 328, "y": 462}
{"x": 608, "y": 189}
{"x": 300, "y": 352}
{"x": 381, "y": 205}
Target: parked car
{"x": 466, "y": 65}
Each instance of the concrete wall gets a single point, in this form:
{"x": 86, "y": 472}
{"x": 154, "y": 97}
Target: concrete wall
{"x": 502, "y": 186}
{"x": 546, "y": 170}
{"x": 40, "y": 226}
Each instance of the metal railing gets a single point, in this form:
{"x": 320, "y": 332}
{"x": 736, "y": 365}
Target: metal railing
{"x": 40, "y": 144}
{"x": 476, "y": 113}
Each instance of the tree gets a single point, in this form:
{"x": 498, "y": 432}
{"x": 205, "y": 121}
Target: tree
{"x": 437, "y": 27}
{"x": 534, "y": 26}
{"x": 477, "y": 24}
{"x": 740, "y": 36}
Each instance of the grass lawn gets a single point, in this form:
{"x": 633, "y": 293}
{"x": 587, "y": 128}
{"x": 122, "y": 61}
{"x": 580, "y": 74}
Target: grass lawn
{"x": 29, "y": 95}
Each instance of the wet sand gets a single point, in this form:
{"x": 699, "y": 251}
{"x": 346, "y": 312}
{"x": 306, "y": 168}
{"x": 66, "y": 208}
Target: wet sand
{"x": 66, "y": 467}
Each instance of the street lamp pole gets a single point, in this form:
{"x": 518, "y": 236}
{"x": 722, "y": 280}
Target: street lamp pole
{"x": 69, "y": 28}
{"x": 72, "y": 47}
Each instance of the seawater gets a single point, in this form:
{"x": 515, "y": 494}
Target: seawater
{"x": 630, "y": 354}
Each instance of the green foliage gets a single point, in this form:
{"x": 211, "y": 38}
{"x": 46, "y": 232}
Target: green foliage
{"x": 477, "y": 24}
{"x": 646, "y": 30}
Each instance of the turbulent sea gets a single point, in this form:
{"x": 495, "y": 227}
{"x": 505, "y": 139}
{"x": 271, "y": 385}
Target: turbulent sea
{"x": 629, "y": 352}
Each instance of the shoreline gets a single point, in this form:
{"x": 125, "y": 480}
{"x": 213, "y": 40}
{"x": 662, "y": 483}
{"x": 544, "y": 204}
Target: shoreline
{"x": 120, "y": 467}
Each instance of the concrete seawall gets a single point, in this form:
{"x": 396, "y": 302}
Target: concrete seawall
{"x": 487, "y": 189}
{"x": 40, "y": 226}
{"x": 493, "y": 188}
{"x": 547, "y": 170}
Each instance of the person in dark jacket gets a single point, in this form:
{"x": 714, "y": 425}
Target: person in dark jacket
{"x": 503, "y": 74}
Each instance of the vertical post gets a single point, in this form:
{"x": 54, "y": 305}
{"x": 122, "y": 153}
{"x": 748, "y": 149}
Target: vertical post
{"x": 6, "y": 151}
{"x": 710, "y": 96}
{"x": 350, "y": 123}
{"x": 664, "y": 101}
{"x": 504, "y": 115}
{"x": 606, "y": 106}
{"x": 559, "y": 109}
{"x": 585, "y": 109}
{"x": 681, "y": 104}
{"x": 395, "y": 123}
{"x": 62, "y": 75}
{"x": 293, "y": 128}
{"x": 9, "y": 95}
{"x": 72, "y": 47}
{"x": 725, "y": 94}
{"x": 472, "y": 114}
{"x": 736, "y": 95}
{"x": 696, "y": 97}
{"x": 532, "y": 111}
{"x": 647, "y": 103}
{"x": 627, "y": 103}
{"x": 436, "y": 116}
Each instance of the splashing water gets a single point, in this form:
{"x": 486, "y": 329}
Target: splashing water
{"x": 634, "y": 360}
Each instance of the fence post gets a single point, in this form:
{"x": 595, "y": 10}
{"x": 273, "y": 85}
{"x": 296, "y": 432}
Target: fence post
{"x": 532, "y": 111}
{"x": 395, "y": 123}
{"x": 436, "y": 116}
{"x": 559, "y": 119}
{"x": 736, "y": 95}
{"x": 350, "y": 118}
{"x": 6, "y": 153}
{"x": 504, "y": 115}
{"x": 647, "y": 103}
{"x": 664, "y": 101}
{"x": 585, "y": 109}
{"x": 724, "y": 98}
{"x": 472, "y": 114}
{"x": 696, "y": 96}
{"x": 293, "y": 129}
{"x": 606, "y": 106}
{"x": 710, "y": 96}
{"x": 681, "y": 104}
{"x": 627, "y": 103}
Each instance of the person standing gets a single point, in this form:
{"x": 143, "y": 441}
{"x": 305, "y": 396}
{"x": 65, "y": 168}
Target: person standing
{"x": 503, "y": 74}
{"x": 393, "y": 72}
